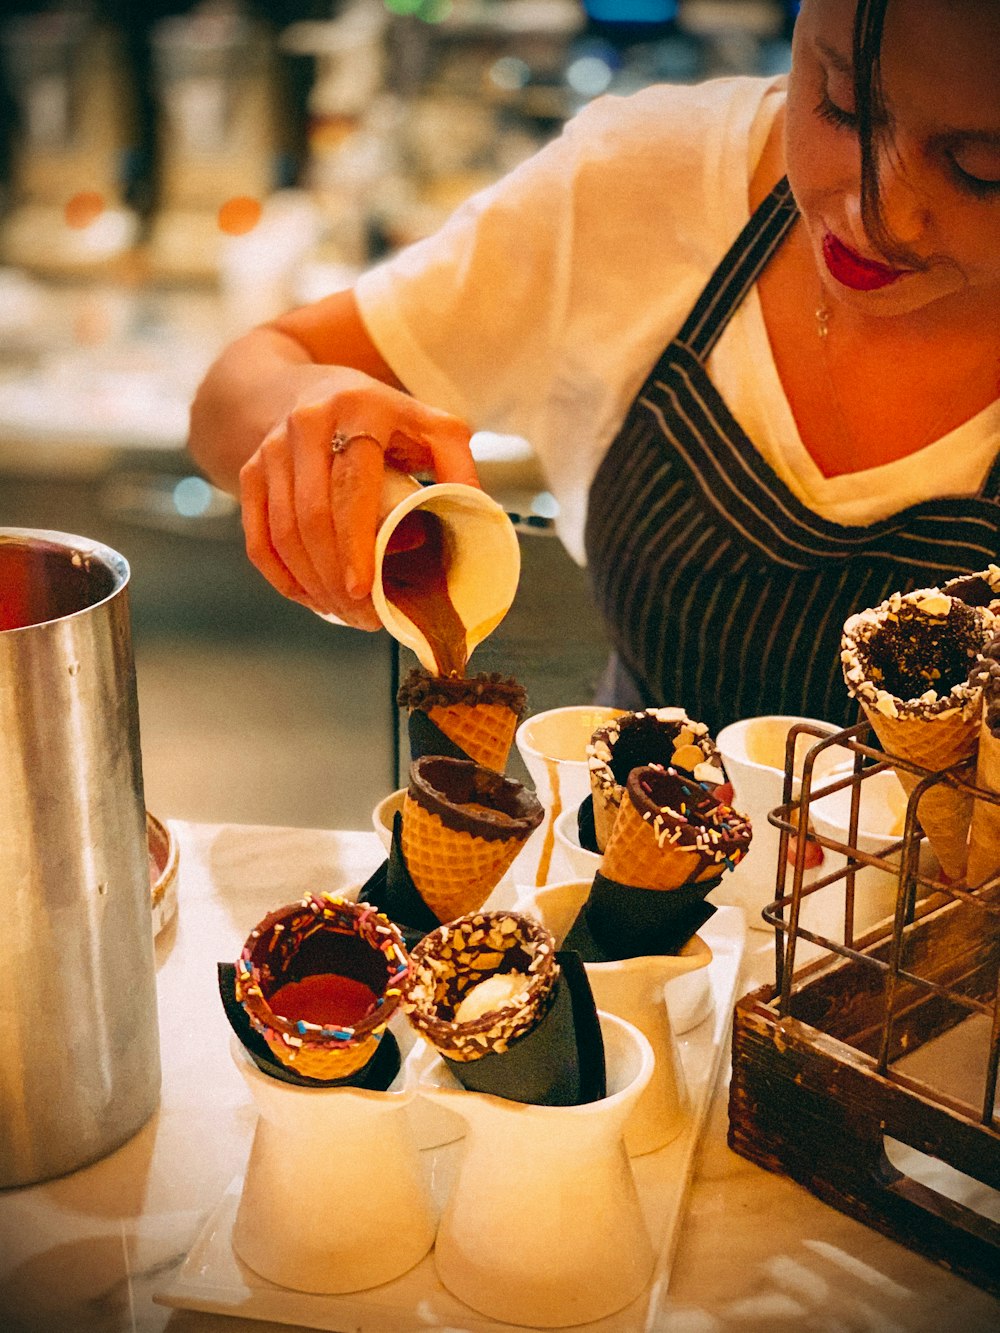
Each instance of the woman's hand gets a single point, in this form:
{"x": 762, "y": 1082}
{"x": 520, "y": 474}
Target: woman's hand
{"x": 310, "y": 493}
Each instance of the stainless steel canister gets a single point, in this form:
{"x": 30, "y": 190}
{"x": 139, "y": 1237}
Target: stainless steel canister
{"x": 79, "y": 1047}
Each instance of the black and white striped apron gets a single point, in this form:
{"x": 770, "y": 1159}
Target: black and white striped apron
{"x": 723, "y": 593}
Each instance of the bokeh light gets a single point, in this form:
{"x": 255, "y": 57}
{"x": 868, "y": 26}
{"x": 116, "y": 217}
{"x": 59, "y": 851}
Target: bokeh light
{"x": 239, "y": 215}
{"x": 83, "y": 209}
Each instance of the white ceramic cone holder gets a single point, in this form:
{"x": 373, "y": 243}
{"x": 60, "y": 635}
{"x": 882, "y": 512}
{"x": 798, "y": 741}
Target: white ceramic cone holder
{"x": 543, "y": 1225}
{"x": 334, "y": 1198}
{"x": 635, "y": 990}
{"x": 553, "y": 746}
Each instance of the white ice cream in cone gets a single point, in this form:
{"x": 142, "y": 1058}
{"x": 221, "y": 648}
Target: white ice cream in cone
{"x": 984, "y": 834}
{"x": 907, "y": 661}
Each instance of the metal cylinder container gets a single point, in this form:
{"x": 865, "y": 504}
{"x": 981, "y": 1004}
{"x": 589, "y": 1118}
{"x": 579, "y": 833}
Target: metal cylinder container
{"x": 79, "y": 1043}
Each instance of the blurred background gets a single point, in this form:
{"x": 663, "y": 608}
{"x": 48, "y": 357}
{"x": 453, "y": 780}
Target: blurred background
{"x": 170, "y": 175}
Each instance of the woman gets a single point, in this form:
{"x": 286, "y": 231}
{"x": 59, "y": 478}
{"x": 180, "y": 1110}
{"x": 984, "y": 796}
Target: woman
{"x": 822, "y": 428}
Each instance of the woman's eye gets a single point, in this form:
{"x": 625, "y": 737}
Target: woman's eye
{"x": 836, "y": 115}
{"x": 974, "y": 184}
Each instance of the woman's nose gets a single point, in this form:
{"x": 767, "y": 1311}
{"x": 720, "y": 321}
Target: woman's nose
{"x": 903, "y": 205}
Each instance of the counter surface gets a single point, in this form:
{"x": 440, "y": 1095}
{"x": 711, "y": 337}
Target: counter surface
{"x": 84, "y": 1254}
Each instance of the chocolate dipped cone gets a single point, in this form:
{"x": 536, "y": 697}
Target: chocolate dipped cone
{"x": 907, "y": 661}
{"x": 984, "y": 833}
{"x": 478, "y": 714}
{"x": 488, "y": 993}
{"x": 308, "y": 958}
{"x": 463, "y": 824}
{"x": 665, "y": 736}
{"x": 671, "y": 831}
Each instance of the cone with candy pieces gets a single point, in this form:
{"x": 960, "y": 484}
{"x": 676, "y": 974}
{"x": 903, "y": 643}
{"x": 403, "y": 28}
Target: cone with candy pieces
{"x": 984, "y": 833}
{"x": 478, "y": 715}
{"x": 664, "y": 736}
{"x": 671, "y": 831}
{"x": 320, "y": 938}
{"x": 463, "y": 824}
{"x": 907, "y": 661}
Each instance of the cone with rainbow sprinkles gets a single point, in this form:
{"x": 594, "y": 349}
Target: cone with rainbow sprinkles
{"x": 670, "y": 831}
{"x": 319, "y": 980}
{"x": 908, "y": 661}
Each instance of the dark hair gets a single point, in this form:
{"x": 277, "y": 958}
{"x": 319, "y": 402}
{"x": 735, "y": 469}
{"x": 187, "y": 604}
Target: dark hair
{"x": 873, "y": 126}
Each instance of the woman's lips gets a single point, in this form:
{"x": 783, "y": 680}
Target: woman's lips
{"x": 863, "y": 275}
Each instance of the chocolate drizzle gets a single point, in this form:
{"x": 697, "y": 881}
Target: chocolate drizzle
{"x": 415, "y": 579}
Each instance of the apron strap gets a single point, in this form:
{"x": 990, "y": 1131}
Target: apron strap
{"x": 740, "y": 267}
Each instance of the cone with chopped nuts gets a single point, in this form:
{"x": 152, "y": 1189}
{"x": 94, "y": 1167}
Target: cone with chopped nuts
{"x": 907, "y": 661}
{"x": 471, "y": 717}
{"x": 664, "y": 736}
{"x": 982, "y": 589}
{"x": 984, "y": 833}
{"x": 488, "y": 992}
{"x": 319, "y": 980}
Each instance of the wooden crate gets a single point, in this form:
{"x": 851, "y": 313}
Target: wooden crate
{"x": 816, "y": 1088}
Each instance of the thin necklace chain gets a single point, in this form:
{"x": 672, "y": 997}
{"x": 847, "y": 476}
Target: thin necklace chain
{"x": 823, "y": 319}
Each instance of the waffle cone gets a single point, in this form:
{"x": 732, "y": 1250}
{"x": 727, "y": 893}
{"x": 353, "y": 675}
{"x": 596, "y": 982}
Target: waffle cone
{"x": 633, "y": 855}
{"x": 605, "y": 811}
{"x": 484, "y": 731}
{"x": 984, "y": 834}
{"x": 934, "y": 744}
{"x": 322, "y": 1062}
{"x": 454, "y": 872}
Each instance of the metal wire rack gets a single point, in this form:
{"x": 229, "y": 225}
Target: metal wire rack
{"x": 818, "y": 1089}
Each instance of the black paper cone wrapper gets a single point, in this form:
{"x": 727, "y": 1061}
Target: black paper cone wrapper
{"x": 623, "y": 921}
{"x": 560, "y": 1062}
{"x": 426, "y": 737}
{"x": 376, "y": 1075}
{"x": 393, "y": 892}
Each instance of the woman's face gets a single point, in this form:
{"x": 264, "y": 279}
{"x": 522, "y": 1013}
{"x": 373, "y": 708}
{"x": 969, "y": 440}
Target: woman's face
{"x": 939, "y": 165}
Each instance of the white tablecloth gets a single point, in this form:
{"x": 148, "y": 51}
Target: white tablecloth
{"x": 84, "y": 1254}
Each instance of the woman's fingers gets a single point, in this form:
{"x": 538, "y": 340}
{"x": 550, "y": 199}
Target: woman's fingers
{"x": 257, "y": 533}
{"x": 355, "y": 490}
{"x": 284, "y": 519}
{"x": 311, "y": 494}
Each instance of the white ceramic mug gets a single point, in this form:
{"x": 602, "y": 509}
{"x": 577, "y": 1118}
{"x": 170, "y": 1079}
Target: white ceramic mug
{"x": 881, "y": 818}
{"x": 753, "y": 752}
{"x": 553, "y": 746}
